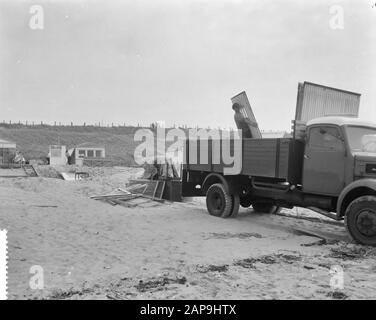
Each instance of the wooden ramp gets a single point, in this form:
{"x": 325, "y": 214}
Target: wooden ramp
{"x": 30, "y": 170}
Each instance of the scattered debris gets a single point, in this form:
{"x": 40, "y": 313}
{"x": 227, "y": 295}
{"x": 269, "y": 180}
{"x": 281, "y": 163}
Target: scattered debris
{"x": 312, "y": 219}
{"x": 308, "y": 267}
{"x": 148, "y": 188}
{"x": 164, "y": 188}
{"x": 320, "y": 242}
{"x": 212, "y": 268}
{"x": 249, "y": 263}
{"x": 351, "y": 252}
{"x": 326, "y": 265}
{"x": 322, "y": 234}
{"x": 158, "y": 283}
{"x": 151, "y": 190}
{"x": 43, "y": 206}
{"x": 338, "y": 295}
{"x": 116, "y": 198}
{"x": 241, "y": 235}
{"x": 59, "y": 294}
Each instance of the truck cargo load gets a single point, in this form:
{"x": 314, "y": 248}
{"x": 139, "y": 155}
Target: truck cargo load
{"x": 241, "y": 99}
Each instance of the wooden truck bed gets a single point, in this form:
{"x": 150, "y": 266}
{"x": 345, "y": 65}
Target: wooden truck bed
{"x": 269, "y": 158}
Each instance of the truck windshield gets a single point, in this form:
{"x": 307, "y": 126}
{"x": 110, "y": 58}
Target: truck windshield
{"x": 361, "y": 139}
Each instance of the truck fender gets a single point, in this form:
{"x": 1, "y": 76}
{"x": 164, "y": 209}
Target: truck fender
{"x": 352, "y": 191}
{"x": 215, "y": 178}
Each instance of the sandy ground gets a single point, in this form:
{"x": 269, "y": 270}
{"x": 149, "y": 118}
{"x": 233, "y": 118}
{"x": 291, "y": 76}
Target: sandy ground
{"x": 92, "y": 250}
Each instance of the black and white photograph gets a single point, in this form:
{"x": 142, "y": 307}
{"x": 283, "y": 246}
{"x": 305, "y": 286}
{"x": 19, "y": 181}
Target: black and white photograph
{"x": 187, "y": 150}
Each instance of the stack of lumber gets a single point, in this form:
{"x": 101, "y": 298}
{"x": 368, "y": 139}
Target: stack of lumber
{"x": 150, "y": 191}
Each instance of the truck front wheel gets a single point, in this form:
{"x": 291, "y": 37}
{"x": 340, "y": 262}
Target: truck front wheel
{"x": 360, "y": 220}
{"x": 218, "y": 201}
{"x": 265, "y": 207}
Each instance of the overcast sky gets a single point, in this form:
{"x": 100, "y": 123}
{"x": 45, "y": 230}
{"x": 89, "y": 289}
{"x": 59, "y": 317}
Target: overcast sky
{"x": 179, "y": 61}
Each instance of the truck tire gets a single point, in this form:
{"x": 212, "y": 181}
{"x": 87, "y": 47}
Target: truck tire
{"x": 360, "y": 220}
{"x": 235, "y": 205}
{"x": 265, "y": 207}
{"x": 218, "y": 201}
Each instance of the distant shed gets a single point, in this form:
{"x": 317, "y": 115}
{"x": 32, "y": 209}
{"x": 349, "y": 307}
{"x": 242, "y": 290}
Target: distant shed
{"x": 7, "y": 151}
{"x": 87, "y": 152}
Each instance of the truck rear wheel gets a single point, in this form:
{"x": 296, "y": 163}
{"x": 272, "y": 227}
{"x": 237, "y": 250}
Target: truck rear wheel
{"x": 360, "y": 220}
{"x": 218, "y": 201}
{"x": 265, "y": 207}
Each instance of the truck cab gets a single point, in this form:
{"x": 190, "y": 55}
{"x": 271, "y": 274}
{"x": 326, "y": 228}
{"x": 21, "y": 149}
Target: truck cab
{"x": 340, "y": 162}
{"x": 338, "y": 151}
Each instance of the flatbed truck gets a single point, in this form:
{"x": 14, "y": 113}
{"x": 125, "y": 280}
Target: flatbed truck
{"x": 331, "y": 171}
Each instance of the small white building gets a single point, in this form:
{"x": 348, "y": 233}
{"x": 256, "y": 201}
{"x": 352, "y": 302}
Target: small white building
{"x": 58, "y": 155}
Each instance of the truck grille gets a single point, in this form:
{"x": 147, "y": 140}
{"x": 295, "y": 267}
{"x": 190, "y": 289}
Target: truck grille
{"x": 371, "y": 168}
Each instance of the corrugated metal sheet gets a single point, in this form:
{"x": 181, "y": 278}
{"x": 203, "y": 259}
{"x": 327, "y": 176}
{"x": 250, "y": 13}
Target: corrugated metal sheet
{"x": 316, "y": 101}
{"x": 259, "y": 157}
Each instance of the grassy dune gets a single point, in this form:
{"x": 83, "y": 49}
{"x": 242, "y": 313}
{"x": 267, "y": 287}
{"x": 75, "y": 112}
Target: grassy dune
{"x": 34, "y": 141}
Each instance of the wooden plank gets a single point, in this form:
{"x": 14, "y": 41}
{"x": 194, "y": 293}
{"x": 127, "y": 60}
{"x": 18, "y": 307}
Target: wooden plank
{"x": 122, "y": 201}
{"x": 163, "y": 189}
{"x": 150, "y": 197}
{"x": 155, "y": 189}
{"x": 110, "y": 196}
{"x": 160, "y": 189}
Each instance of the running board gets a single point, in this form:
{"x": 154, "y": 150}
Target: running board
{"x": 324, "y": 213}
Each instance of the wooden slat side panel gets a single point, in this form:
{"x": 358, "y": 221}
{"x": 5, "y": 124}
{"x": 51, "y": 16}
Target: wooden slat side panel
{"x": 204, "y": 161}
{"x": 259, "y": 157}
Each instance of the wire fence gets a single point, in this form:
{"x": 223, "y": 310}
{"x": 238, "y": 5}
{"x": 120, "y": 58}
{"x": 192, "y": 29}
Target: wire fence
{"x": 56, "y": 124}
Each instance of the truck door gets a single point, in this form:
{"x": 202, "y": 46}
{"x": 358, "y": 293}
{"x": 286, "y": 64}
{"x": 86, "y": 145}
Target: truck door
{"x": 324, "y": 161}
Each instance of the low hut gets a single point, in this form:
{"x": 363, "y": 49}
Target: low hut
{"x": 7, "y": 152}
